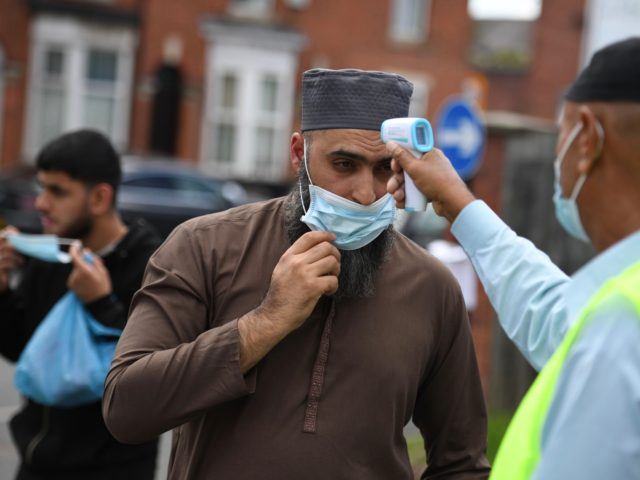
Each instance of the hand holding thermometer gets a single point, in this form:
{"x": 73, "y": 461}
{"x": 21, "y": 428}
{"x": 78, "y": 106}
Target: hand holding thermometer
{"x": 416, "y": 135}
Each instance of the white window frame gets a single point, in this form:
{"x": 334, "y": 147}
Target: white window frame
{"x": 77, "y": 38}
{"x": 260, "y": 9}
{"x": 407, "y": 24}
{"x": 298, "y": 4}
{"x": 419, "y": 104}
{"x": 607, "y": 22}
{"x": 249, "y": 55}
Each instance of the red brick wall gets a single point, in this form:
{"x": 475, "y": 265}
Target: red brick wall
{"x": 163, "y": 18}
{"x": 341, "y": 34}
{"x": 14, "y": 31}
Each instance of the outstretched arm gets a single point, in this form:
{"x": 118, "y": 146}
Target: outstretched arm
{"x": 524, "y": 286}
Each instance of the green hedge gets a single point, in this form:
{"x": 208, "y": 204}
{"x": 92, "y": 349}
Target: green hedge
{"x": 498, "y": 422}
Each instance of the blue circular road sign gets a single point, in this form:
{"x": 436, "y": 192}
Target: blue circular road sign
{"x": 461, "y": 135}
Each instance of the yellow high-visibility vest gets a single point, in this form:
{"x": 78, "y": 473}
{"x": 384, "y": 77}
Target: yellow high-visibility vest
{"x": 519, "y": 451}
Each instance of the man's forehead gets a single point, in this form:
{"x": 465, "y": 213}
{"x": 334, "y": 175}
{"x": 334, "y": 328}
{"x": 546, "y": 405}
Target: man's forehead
{"x": 346, "y": 136}
{"x": 364, "y": 143}
{"x": 55, "y": 177}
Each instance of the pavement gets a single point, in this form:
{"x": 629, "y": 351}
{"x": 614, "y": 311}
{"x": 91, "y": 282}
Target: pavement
{"x": 9, "y": 403}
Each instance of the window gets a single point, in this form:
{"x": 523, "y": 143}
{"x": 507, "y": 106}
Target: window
{"x": 251, "y": 8}
{"x": 609, "y": 21}
{"x": 419, "y": 103}
{"x": 100, "y": 92}
{"x": 166, "y": 183}
{"x": 175, "y": 182}
{"x": 503, "y": 34}
{"x": 52, "y": 94}
{"x": 409, "y": 20}
{"x": 82, "y": 76}
{"x": 298, "y": 4}
{"x": 492, "y": 10}
{"x": 502, "y": 46}
{"x": 420, "y": 97}
{"x": 249, "y": 101}
{"x": 266, "y": 118}
{"x": 225, "y": 124}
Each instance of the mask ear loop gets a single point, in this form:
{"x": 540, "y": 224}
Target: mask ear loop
{"x": 583, "y": 177}
{"x": 600, "y": 131}
{"x": 306, "y": 169}
{"x": 568, "y": 142}
{"x": 565, "y": 148}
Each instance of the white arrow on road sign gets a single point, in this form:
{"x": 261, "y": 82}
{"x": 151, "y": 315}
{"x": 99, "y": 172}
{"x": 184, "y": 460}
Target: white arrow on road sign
{"x": 467, "y": 137}
{"x": 461, "y": 134}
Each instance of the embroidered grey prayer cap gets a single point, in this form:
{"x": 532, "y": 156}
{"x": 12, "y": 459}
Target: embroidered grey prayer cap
{"x": 351, "y": 98}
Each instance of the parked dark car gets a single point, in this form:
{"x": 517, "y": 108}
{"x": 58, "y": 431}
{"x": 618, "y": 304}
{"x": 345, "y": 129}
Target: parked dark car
{"x": 166, "y": 193}
{"x": 163, "y": 192}
{"x": 18, "y": 191}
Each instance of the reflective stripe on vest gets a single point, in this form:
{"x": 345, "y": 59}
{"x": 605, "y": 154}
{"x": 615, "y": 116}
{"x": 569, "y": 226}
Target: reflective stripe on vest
{"x": 519, "y": 451}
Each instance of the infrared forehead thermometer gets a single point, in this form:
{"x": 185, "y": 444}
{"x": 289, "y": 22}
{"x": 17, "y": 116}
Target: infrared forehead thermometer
{"x": 416, "y": 135}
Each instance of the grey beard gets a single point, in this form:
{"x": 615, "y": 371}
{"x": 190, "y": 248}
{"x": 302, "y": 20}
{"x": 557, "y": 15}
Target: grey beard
{"x": 357, "y": 267}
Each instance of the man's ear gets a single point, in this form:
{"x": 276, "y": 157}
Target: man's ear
{"x": 100, "y": 199}
{"x": 296, "y": 151}
{"x": 591, "y": 140}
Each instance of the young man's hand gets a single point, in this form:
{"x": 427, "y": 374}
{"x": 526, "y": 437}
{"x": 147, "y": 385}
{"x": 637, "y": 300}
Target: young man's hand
{"x": 90, "y": 281}
{"x": 9, "y": 258}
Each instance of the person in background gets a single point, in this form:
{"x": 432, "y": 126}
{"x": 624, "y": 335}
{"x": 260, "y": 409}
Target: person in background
{"x": 581, "y": 417}
{"x": 449, "y": 252}
{"x": 78, "y": 174}
{"x": 295, "y": 338}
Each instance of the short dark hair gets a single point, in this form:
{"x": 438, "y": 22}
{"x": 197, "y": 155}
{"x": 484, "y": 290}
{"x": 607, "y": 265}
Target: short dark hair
{"x": 84, "y": 155}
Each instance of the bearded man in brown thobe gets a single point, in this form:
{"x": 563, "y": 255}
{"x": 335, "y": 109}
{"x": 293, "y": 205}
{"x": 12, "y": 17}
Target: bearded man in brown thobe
{"x": 295, "y": 338}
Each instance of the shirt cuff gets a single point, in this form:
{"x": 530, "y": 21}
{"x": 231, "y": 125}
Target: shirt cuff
{"x": 476, "y": 225}
{"x": 101, "y": 304}
{"x": 249, "y": 378}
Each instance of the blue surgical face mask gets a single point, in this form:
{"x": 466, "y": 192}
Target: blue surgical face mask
{"x": 42, "y": 247}
{"x": 566, "y": 209}
{"x": 354, "y": 225}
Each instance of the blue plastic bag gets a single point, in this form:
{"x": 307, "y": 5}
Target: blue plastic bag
{"x": 66, "y": 361}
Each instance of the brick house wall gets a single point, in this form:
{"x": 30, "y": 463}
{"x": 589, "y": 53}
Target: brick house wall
{"x": 339, "y": 34}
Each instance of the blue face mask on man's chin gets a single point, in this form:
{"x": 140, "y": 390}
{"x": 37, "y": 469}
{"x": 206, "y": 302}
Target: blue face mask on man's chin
{"x": 42, "y": 247}
{"x": 353, "y": 224}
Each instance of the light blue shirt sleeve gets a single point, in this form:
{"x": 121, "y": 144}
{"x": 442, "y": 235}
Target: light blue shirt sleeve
{"x": 592, "y": 429}
{"x": 524, "y": 286}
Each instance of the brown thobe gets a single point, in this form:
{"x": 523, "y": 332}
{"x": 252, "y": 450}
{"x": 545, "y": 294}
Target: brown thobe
{"x": 330, "y": 400}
